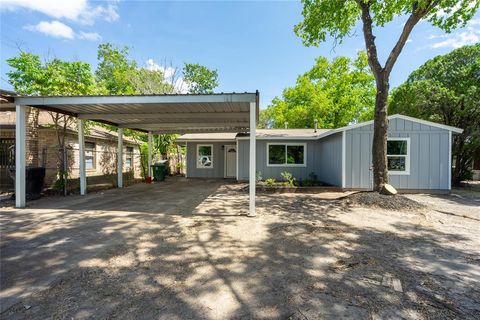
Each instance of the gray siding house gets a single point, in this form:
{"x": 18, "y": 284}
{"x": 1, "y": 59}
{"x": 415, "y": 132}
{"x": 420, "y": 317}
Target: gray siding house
{"x": 418, "y": 153}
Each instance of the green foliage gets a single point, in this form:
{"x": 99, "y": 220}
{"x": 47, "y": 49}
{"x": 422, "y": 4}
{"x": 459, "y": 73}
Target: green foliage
{"x": 29, "y": 76}
{"x": 144, "y": 159}
{"x": 336, "y": 19}
{"x": 200, "y": 78}
{"x": 165, "y": 144}
{"x": 270, "y": 181}
{"x": 446, "y": 90}
{"x": 115, "y": 69}
{"x": 288, "y": 177}
{"x": 335, "y": 93}
{"x": 145, "y": 81}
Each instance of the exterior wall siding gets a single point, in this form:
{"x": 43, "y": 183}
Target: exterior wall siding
{"x": 324, "y": 159}
{"x": 428, "y": 156}
{"x": 329, "y": 154}
{"x": 218, "y": 161}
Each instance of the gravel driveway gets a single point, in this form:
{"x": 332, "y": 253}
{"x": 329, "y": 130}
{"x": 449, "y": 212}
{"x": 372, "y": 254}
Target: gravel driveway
{"x": 185, "y": 250}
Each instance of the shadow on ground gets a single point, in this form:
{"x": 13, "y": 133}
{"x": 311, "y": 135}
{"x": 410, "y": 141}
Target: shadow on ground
{"x": 301, "y": 258}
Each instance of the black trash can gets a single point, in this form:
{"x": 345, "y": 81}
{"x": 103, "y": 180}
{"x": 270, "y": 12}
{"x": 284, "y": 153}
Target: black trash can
{"x": 34, "y": 177}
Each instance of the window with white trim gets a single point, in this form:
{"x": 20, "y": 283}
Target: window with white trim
{"x": 90, "y": 156}
{"x": 204, "y": 156}
{"x": 286, "y": 154}
{"x": 398, "y": 155}
{"x": 129, "y": 158}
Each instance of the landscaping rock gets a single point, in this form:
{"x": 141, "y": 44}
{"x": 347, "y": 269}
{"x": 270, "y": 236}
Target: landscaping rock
{"x": 388, "y": 190}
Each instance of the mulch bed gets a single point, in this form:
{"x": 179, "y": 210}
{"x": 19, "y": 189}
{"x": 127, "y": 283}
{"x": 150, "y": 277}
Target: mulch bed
{"x": 377, "y": 200}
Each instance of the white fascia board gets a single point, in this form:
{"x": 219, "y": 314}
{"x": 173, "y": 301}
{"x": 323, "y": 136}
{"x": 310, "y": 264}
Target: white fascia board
{"x": 90, "y": 100}
{"x": 396, "y": 116}
{"x": 203, "y": 140}
{"x": 425, "y": 122}
{"x": 280, "y": 138}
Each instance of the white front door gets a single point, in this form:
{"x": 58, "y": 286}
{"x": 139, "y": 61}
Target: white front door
{"x": 230, "y": 161}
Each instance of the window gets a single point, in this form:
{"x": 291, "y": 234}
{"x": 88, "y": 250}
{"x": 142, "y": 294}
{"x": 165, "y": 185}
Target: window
{"x": 89, "y": 155}
{"x": 204, "y": 156}
{"x": 129, "y": 158}
{"x": 398, "y": 155}
{"x": 289, "y": 154}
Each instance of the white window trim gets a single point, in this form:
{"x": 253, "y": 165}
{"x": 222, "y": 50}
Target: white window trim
{"x": 196, "y": 156}
{"x": 289, "y": 165}
{"x": 407, "y": 157}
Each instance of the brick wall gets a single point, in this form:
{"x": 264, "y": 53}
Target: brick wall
{"x": 105, "y": 157}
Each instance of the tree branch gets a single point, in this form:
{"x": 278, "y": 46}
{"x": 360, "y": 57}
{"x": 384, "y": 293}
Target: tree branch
{"x": 370, "y": 39}
{"x": 407, "y": 29}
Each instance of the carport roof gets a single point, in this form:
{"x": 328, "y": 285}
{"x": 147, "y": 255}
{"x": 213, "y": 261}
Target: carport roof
{"x": 168, "y": 113}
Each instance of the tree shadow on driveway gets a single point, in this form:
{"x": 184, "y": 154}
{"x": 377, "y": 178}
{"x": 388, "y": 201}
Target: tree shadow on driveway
{"x": 300, "y": 258}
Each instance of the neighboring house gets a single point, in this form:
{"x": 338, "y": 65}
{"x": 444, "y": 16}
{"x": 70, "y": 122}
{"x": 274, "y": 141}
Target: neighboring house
{"x": 419, "y": 154}
{"x": 100, "y": 151}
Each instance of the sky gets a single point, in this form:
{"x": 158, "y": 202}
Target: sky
{"x": 250, "y": 43}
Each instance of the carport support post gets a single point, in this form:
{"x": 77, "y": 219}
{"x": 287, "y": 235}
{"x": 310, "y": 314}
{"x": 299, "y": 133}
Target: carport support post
{"x": 252, "y": 180}
{"x": 149, "y": 161}
{"x": 120, "y": 159}
{"x": 81, "y": 156}
{"x": 20, "y": 161}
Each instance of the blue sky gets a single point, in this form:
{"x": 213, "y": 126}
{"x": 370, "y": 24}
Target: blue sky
{"x": 250, "y": 43}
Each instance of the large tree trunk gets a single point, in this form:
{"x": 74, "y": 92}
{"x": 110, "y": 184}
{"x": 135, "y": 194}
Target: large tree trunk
{"x": 379, "y": 144}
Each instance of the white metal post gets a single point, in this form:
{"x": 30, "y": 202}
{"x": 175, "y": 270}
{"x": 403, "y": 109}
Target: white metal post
{"x": 450, "y": 160}
{"x": 81, "y": 157}
{"x": 149, "y": 170}
{"x": 344, "y": 159}
{"x": 20, "y": 161}
{"x": 120, "y": 159}
{"x": 251, "y": 180}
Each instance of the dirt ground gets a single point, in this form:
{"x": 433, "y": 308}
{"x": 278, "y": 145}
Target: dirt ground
{"x": 185, "y": 250}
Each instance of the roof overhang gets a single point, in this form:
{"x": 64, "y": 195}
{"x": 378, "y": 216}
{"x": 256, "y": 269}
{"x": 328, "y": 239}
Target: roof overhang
{"x": 7, "y": 100}
{"x": 176, "y": 113}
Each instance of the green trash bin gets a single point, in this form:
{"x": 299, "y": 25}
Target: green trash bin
{"x": 160, "y": 170}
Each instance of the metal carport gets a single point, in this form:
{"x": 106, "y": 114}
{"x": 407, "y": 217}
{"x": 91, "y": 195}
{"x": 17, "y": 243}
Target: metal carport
{"x": 154, "y": 114}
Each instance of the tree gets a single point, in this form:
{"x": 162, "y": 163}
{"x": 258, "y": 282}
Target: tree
{"x": 333, "y": 93}
{"x": 29, "y": 76}
{"x": 446, "y": 90}
{"x": 199, "y": 78}
{"x": 335, "y": 18}
{"x": 115, "y": 69}
{"x": 145, "y": 81}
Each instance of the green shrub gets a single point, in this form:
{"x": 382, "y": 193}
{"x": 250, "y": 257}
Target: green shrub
{"x": 288, "y": 178}
{"x": 270, "y": 181}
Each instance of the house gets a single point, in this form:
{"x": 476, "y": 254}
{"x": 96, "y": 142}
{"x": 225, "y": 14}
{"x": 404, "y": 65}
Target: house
{"x": 419, "y": 154}
{"x": 43, "y": 151}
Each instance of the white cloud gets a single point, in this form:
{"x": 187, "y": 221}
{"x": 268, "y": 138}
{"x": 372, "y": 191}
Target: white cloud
{"x": 92, "y": 36}
{"x": 152, "y": 65}
{"x": 55, "y": 29}
{"x": 469, "y": 35}
{"x": 458, "y": 40}
{"x": 408, "y": 40}
{"x": 171, "y": 75}
{"x": 58, "y": 29}
{"x": 168, "y": 71}
{"x": 81, "y": 11}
